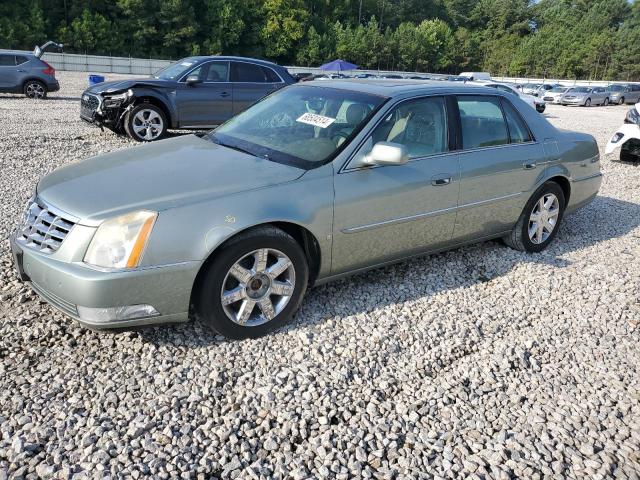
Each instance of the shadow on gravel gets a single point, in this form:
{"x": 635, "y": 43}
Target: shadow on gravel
{"x": 62, "y": 99}
{"x": 605, "y": 218}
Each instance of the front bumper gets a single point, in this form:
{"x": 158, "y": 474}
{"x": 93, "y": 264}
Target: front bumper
{"x": 574, "y": 101}
{"x": 69, "y": 285}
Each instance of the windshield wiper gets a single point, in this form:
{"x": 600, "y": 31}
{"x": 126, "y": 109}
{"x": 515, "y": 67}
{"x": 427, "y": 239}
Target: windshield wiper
{"x": 217, "y": 141}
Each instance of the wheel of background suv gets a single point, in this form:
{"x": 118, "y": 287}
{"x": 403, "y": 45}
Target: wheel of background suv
{"x": 35, "y": 89}
{"x": 540, "y": 108}
{"x": 621, "y": 101}
{"x": 606, "y": 102}
{"x": 145, "y": 123}
{"x": 587, "y": 102}
{"x": 540, "y": 220}
{"x": 254, "y": 284}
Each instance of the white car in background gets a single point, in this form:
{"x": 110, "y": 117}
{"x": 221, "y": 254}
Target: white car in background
{"x": 555, "y": 94}
{"x": 537, "y": 103}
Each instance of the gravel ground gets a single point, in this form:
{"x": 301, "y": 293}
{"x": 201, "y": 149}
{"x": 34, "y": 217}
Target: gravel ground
{"x": 477, "y": 363}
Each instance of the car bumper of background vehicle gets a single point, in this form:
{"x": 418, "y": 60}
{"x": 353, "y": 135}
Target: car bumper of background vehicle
{"x": 53, "y": 86}
{"x": 103, "y": 299}
{"x": 574, "y": 101}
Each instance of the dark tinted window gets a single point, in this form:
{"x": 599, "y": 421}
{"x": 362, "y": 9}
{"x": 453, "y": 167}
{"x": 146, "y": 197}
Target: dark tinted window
{"x": 517, "y": 129}
{"x": 247, "y": 72}
{"x": 635, "y": 88}
{"x": 20, "y": 60}
{"x": 483, "y": 124}
{"x": 6, "y": 60}
{"x": 271, "y": 75}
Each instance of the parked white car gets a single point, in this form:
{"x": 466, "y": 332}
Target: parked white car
{"x": 555, "y": 94}
{"x": 475, "y": 76}
{"x": 537, "y": 103}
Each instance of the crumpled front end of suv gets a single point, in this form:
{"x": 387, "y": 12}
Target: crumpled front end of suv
{"x": 106, "y": 109}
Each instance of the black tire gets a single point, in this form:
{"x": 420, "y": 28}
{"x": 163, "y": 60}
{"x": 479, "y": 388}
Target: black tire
{"x": 156, "y": 128}
{"x": 519, "y": 239}
{"x": 606, "y": 102}
{"x": 35, "y": 90}
{"x": 626, "y": 155}
{"x": 208, "y": 301}
{"x": 621, "y": 101}
{"x": 541, "y": 108}
{"x": 587, "y": 102}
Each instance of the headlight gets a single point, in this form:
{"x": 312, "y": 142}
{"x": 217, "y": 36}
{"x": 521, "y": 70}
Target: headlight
{"x": 117, "y": 100}
{"x": 632, "y": 116}
{"x": 120, "y": 242}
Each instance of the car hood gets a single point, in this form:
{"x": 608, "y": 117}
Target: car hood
{"x": 120, "y": 85}
{"x": 157, "y": 176}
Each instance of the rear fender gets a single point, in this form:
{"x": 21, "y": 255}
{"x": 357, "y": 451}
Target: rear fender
{"x": 623, "y": 134}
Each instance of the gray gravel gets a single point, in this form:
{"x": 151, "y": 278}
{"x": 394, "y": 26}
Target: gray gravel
{"x": 478, "y": 363}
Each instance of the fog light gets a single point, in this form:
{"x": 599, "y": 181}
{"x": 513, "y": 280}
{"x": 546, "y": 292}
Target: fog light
{"x": 113, "y": 314}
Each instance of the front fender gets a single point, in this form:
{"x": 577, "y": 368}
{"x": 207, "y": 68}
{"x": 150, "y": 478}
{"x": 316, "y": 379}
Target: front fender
{"x": 167, "y": 98}
{"x": 625, "y": 133}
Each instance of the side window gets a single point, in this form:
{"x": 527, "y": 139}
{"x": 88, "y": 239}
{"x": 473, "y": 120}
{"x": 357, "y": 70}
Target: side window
{"x": 635, "y": 88}
{"x": 518, "y": 130}
{"x": 483, "y": 124}
{"x": 20, "y": 59}
{"x": 217, "y": 72}
{"x": 7, "y": 60}
{"x": 420, "y": 125}
{"x": 271, "y": 76}
{"x": 247, "y": 72}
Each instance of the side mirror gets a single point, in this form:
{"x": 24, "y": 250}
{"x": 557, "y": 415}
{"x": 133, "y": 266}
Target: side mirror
{"x": 193, "y": 80}
{"x": 387, "y": 153}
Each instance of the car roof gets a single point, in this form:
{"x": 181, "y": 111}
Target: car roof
{"x": 231, "y": 57}
{"x": 395, "y": 88}
{"x": 17, "y": 52}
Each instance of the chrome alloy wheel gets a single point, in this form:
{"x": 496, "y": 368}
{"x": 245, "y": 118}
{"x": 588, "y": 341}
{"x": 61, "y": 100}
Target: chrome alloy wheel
{"x": 543, "y": 218}
{"x": 258, "y": 287}
{"x": 147, "y": 124}
{"x": 34, "y": 90}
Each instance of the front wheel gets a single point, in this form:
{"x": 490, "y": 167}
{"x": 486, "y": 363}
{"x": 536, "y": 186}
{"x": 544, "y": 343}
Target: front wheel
{"x": 254, "y": 284}
{"x": 587, "y": 102}
{"x": 606, "y": 102}
{"x": 35, "y": 90}
{"x": 540, "y": 108}
{"x": 540, "y": 220}
{"x": 621, "y": 101}
{"x": 145, "y": 123}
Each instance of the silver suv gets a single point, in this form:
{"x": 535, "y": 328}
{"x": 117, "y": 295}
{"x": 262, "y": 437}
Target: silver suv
{"x": 24, "y": 72}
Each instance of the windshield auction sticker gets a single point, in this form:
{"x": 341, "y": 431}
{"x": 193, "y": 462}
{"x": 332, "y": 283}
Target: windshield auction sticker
{"x": 315, "y": 120}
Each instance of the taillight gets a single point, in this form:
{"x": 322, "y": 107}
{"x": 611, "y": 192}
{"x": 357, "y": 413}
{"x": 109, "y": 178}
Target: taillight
{"x": 49, "y": 70}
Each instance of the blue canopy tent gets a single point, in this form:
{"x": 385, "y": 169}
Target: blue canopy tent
{"x": 338, "y": 66}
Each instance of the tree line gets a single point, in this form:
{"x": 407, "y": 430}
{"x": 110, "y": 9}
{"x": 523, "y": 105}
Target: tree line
{"x": 584, "y": 39}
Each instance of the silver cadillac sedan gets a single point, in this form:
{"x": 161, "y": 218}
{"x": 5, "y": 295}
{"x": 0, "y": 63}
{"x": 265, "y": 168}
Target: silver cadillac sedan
{"x": 317, "y": 181}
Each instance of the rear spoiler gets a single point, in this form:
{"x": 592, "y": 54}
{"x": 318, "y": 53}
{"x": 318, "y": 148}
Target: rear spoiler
{"x": 38, "y": 51}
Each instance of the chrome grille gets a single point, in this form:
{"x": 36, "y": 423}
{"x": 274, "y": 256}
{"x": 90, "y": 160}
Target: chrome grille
{"x": 90, "y": 102}
{"x": 43, "y": 228}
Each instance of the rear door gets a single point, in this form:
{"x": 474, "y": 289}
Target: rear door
{"x": 8, "y": 71}
{"x": 500, "y": 166}
{"x": 251, "y": 82}
{"x": 208, "y": 103}
{"x": 634, "y": 94}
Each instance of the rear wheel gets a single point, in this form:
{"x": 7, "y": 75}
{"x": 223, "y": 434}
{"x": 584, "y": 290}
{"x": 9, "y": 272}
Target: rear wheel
{"x": 146, "y": 123}
{"x": 540, "y": 220}
{"x": 35, "y": 90}
{"x": 606, "y": 102}
{"x": 255, "y": 284}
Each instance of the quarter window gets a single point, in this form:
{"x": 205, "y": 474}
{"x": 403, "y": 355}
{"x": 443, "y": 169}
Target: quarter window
{"x": 483, "y": 124}
{"x": 420, "y": 125}
{"x": 20, "y": 60}
{"x": 518, "y": 131}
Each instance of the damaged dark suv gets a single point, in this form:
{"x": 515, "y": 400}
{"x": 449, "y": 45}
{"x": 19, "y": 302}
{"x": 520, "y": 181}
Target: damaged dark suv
{"x": 193, "y": 93}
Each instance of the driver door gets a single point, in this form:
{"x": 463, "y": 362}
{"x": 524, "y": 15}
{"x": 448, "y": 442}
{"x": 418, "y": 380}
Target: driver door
{"x": 208, "y": 103}
{"x": 384, "y": 213}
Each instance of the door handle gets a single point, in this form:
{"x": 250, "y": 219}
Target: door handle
{"x": 225, "y": 94}
{"x": 529, "y": 165}
{"x": 440, "y": 181}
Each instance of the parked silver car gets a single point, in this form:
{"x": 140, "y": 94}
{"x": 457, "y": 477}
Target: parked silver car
{"x": 317, "y": 181}
{"x": 586, "y": 96}
{"x": 555, "y": 94}
{"x": 624, "y": 93}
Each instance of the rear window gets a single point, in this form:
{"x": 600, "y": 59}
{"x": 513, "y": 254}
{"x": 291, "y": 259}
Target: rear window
{"x": 7, "y": 60}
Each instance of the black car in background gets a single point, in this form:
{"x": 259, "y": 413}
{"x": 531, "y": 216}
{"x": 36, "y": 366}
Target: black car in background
{"x": 193, "y": 93}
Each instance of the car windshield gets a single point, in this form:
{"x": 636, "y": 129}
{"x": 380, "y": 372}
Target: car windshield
{"x": 176, "y": 70}
{"x": 532, "y": 85}
{"x": 303, "y": 126}
{"x": 558, "y": 89}
{"x": 617, "y": 88}
{"x": 581, "y": 90}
